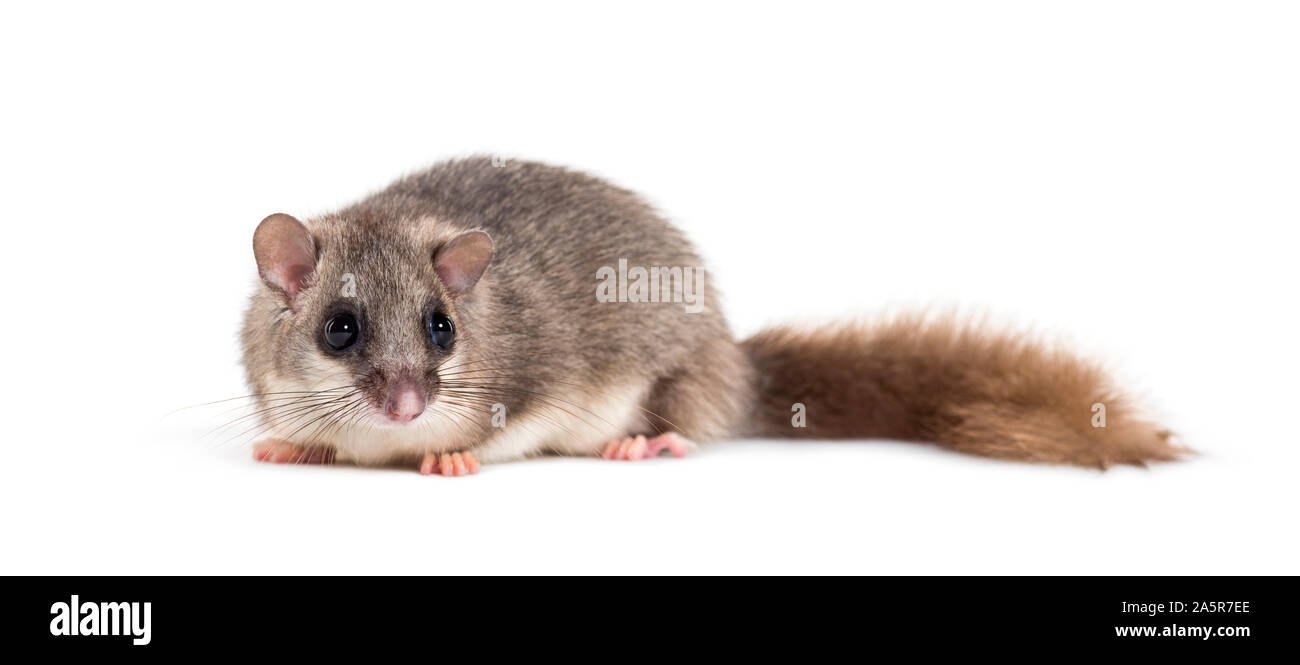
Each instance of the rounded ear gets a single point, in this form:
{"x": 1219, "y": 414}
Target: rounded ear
{"x": 461, "y": 261}
{"x": 286, "y": 255}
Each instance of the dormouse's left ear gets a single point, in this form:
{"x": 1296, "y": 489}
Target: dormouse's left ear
{"x": 461, "y": 261}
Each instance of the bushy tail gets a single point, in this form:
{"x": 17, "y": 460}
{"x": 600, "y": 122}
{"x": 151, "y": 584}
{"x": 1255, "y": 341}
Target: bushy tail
{"x": 939, "y": 381}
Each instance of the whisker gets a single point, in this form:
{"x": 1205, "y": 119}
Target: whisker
{"x": 489, "y": 401}
{"x": 248, "y": 396}
{"x": 297, "y": 402}
{"x": 542, "y": 397}
{"x": 542, "y": 379}
{"x": 291, "y": 417}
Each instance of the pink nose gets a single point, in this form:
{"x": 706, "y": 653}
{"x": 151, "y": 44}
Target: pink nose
{"x": 405, "y": 403}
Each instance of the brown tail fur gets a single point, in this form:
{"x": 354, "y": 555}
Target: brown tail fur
{"x": 939, "y": 381}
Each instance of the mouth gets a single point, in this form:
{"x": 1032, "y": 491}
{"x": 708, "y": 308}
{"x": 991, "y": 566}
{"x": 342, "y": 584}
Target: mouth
{"x": 383, "y": 418}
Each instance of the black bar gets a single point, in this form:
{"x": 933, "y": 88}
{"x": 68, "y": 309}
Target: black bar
{"x": 312, "y": 615}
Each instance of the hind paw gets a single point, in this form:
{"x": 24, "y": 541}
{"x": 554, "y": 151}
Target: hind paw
{"x": 639, "y": 447}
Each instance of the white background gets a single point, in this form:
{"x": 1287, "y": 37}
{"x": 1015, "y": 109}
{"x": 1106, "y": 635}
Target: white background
{"x": 1122, "y": 175}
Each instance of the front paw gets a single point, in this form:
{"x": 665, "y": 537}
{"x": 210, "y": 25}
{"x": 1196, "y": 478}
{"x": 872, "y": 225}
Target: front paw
{"x": 278, "y": 451}
{"x": 450, "y": 464}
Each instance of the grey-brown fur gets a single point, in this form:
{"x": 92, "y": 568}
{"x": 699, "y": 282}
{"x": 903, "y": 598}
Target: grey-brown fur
{"x": 532, "y": 336}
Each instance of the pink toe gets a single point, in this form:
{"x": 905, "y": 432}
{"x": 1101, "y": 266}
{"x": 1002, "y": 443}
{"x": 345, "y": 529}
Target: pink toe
{"x": 265, "y": 451}
{"x": 675, "y": 445}
{"x": 637, "y": 449}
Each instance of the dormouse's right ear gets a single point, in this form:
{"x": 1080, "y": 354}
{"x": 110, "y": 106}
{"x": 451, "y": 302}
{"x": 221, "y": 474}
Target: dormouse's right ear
{"x": 286, "y": 255}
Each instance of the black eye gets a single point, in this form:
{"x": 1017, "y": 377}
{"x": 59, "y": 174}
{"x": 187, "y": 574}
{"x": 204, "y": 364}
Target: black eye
{"x": 440, "y": 329}
{"x": 341, "y": 331}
